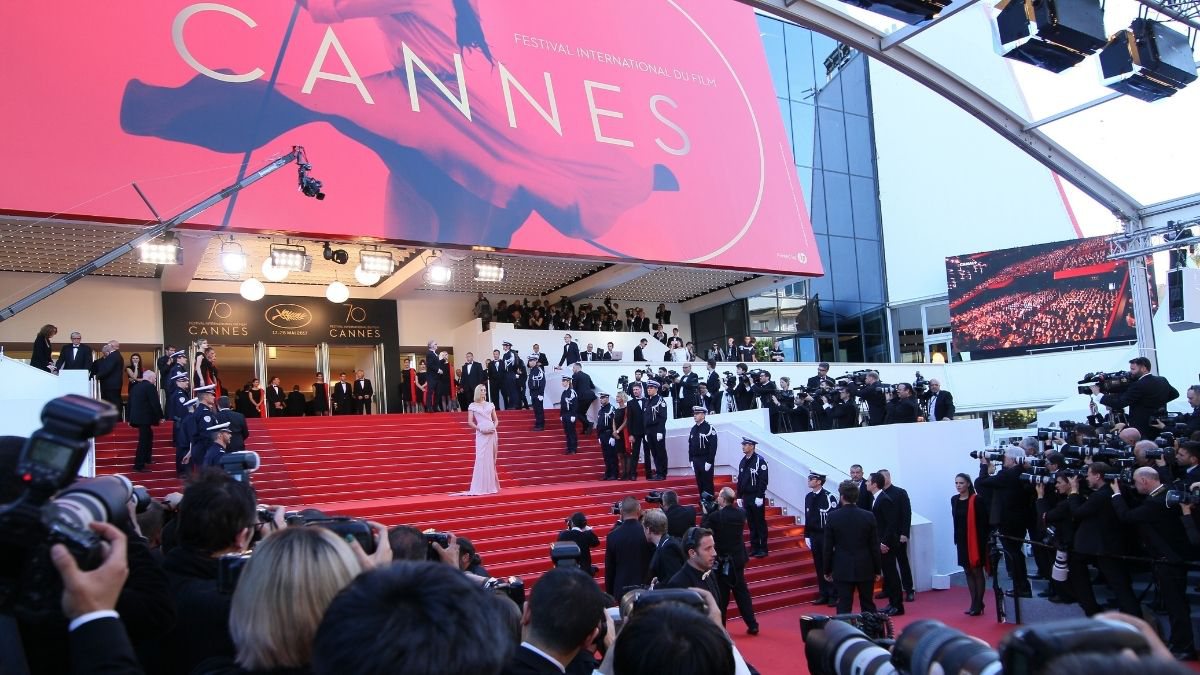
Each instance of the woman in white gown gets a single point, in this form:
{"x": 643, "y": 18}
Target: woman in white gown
{"x": 481, "y": 416}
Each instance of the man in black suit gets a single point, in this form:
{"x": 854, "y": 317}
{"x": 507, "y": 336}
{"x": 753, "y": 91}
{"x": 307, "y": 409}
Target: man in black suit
{"x": 585, "y": 390}
{"x": 904, "y": 510}
{"x": 852, "y": 557}
{"x": 238, "y": 429}
{"x": 903, "y": 408}
{"x": 939, "y": 403}
{"x": 145, "y": 413}
{"x": 700, "y": 551}
{"x": 295, "y": 402}
{"x": 539, "y": 355}
{"x": 433, "y": 377}
{"x": 626, "y": 551}
{"x": 876, "y": 401}
{"x": 276, "y": 399}
{"x": 1010, "y": 509}
{"x": 679, "y": 517}
{"x": 564, "y": 614}
{"x": 1096, "y": 527}
{"x": 76, "y": 356}
{"x": 364, "y": 392}
{"x": 640, "y": 322}
{"x": 342, "y": 396}
{"x": 1143, "y": 399}
{"x": 668, "y": 555}
{"x": 472, "y": 375}
{"x": 495, "y": 380}
{"x": 843, "y": 411}
{"x": 728, "y": 523}
{"x": 639, "y": 352}
{"x": 590, "y": 354}
{"x": 1165, "y": 538}
{"x": 864, "y": 495}
{"x": 581, "y": 534}
{"x": 818, "y": 414}
{"x": 607, "y": 354}
{"x": 887, "y": 519}
{"x": 570, "y": 352}
{"x": 110, "y": 373}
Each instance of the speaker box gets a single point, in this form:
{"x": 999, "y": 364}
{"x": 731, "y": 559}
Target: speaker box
{"x": 1050, "y": 34}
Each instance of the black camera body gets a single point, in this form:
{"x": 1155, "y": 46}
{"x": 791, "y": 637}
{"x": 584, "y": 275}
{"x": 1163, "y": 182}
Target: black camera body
{"x": 54, "y": 508}
{"x": 511, "y": 587}
{"x": 229, "y": 571}
{"x": 346, "y": 527}
{"x": 654, "y": 497}
{"x": 1109, "y": 383}
{"x": 1177, "y": 497}
{"x": 432, "y": 539}
{"x": 708, "y": 503}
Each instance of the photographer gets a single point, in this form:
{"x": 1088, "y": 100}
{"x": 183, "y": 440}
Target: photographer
{"x": 1058, "y": 530}
{"x": 1096, "y": 523}
{"x": 727, "y": 524}
{"x": 938, "y": 402}
{"x": 1010, "y": 511}
{"x": 1143, "y": 398}
{"x": 903, "y": 409}
{"x": 743, "y": 394}
{"x": 1192, "y": 419}
{"x": 877, "y": 405}
{"x": 672, "y": 638}
{"x": 469, "y": 560}
{"x": 843, "y": 413}
{"x": 697, "y": 571}
{"x": 1188, "y": 459}
{"x": 1165, "y": 540}
{"x": 679, "y": 517}
{"x": 564, "y": 614}
{"x": 765, "y": 391}
{"x": 626, "y": 552}
{"x": 580, "y": 533}
{"x": 668, "y": 552}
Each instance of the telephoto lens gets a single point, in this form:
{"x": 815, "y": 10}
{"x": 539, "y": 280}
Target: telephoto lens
{"x": 926, "y": 644}
{"x": 95, "y": 500}
{"x": 837, "y": 647}
{"x": 1059, "y": 573}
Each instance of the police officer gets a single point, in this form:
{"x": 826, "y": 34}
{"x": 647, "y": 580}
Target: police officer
{"x": 608, "y": 444}
{"x": 566, "y": 414}
{"x": 195, "y": 426}
{"x": 702, "y": 450}
{"x": 537, "y": 392}
{"x": 752, "y": 492}
{"x": 817, "y": 505}
{"x": 177, "y": 412}
{"x": 655, "y": 415}
{"x": 219, "y": 435}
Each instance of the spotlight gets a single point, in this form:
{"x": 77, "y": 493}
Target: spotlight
{"x": 489, "y": 270}
{"x": 233, "y": 258}
{"x": 273, "y": 273}
{"x": 290, "y": 257}
{"x": 338, "y": 256}
{"x": 163, "y": 251}
{"x": 437, "y": 274}
{"x": 311, "y": 187}
{"x": 908, "y": 11}
{"x": 1050, "y": 34}
{"x": 378, "y": 262}
{"x": 1147, "y": 61}
{"x": 252, "y": 289}
{"x": 337, "y": 292}
{"x": 364, "y": 277}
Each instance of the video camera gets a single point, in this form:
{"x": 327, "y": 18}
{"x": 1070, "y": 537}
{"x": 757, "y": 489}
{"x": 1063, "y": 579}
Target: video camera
{"x": 708, "y": 503}
{"x": 239, "y": 465}
{"x": 53, "y": 508}
{"x": 511, "y": 587}
{"x": 1177, "y": 497}
{"x": 1109, "y": 383}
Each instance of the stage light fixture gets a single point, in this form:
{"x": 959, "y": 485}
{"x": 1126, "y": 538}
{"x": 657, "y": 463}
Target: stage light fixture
{"x": 273, "y": 273}
{"x": 908, "y": 11}
{"x": 164, "y": 251}
{"x": 252, "y": 289}
{"x": 364, "y": 277}
{"x": 337, "y": 292}
{"x": 1147, "y": 61}
{"x": 338, "y": 255}
{"x": 377, "y": 262}
{"x": 233, "y": 258}
{"x": 489, "y": 270}
{"x": 1050, "y": 34}
{"x": 290, "y": 257}
{"x": 436, "y": 273}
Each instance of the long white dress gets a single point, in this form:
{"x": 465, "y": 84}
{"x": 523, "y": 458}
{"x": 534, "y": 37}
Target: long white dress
{"x": 484, "y": 480}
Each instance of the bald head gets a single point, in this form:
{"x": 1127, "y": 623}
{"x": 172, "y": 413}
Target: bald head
{"x": 1130, "y": 435}
{"x": 1146, "y": 480}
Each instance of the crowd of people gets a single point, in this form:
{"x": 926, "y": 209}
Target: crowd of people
{"x": 1042, "y": 317}
{"x": 566, "y": 315}
{"x": 969, "y": 275}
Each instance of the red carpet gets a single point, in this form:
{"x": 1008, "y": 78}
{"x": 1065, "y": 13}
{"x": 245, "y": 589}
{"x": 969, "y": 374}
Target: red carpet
{"x": 402, "y": 469}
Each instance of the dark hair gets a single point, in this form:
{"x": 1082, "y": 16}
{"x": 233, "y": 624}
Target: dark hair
{"x": 629, "y": 506}
{"x": 1099, "y": 468}
{"x": 46, "y": 330}
{"x": 970, "y": 483}
{"x": 693, "y": 537}
{"x": 214, "y": 509}
{"x": 407, "y": 542}
{"x": 578, "y": 519}
{"x": 671, "y": 638}
{"x": 670, "y": 498}
{"x": 139, "y": 360}
{"x": 1191, "y": 447}
{"x": 421, "y": 618}
{"x": 1056, "y": 458}
{"x": 848, "y": 491}
{"x": 877, "y": 480}
{"x": 565, "y": 607}
{"x": 712, "y": 363}
{"x": 1140, "y": 361}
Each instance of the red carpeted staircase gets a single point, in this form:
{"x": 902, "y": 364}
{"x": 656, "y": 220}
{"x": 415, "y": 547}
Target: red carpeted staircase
{"x": 403, "y": 469}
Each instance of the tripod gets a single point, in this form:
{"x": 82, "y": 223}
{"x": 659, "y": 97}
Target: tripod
{"x": 996, "y": 552}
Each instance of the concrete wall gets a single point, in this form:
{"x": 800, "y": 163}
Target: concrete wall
{"x": 101, "y": 308}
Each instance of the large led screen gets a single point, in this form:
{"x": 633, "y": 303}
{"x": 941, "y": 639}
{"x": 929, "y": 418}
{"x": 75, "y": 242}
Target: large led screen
{"x": 1018, "y": 300}
{"x": 624, "y": 129}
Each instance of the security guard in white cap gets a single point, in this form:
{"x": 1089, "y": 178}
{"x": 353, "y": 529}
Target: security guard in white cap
{"x": 219, "y": 435}
{"x": 197, "y": 424}
{"x": 566, "y": 414}
{"x": 655, "y": 416}
{"x": 752, "y": 491}
{"x": 702, "y": 450}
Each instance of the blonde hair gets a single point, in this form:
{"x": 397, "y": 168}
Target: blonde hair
{"x": 621, "y": 398}
{"x": 283, "y": 593}
{"x": 480, "y": 393}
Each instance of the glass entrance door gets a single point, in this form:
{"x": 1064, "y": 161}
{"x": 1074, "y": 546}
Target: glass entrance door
{"x": 235, "y": 366}
{"x": 349, "y": 360}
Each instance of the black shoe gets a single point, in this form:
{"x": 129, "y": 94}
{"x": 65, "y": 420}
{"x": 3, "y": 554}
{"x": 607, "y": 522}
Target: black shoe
{"x": 910, "y": 596}
{"x": 832, "y": 602}
{"x": 752, "y": 630}
{"x": 1038, "y": 577}
{"x": 821, "y": 600}
{"x": 539, "y": 428}
{"x": 975, "y": 612}
{"x": 1026, "y": 593}
{"x": 880, "y": 595}
{"x": 139, "y": 469}
{"x": 759, "y": 554}
{"x": 893, "y": 611}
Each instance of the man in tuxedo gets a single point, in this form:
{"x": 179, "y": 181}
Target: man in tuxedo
{"x": 903, "y": 408}
{"x": 887, "y": 519}
{"x": 537, "y": 353}
{"x": 238, "y": 429}
{"x": 343, "y": 398}
{"x": 818, "y": 414}
{"x": 679, "y": 517}
{"x": 639, "y": 352}
{"x": 276, "y": 399}
{"x": 640, "y": 322}
{"x": 295, "y": 403}
{"x": 668, "y": 552}
{"x": 852, "y": 558}
{"x": 110, "y": 373}
{"x": 78, "y": 356}
{"x": 626, "y": 552}
{"x": 145, "y": 413}
{"x": 564, "y": 615}
{"x": 495, "y": 380}
{"x": 590, "y": 354}
{"x": 904, "y": 511}
{"x": 570, "y": 353}
{"x": 728, "y": 524}
{"x": 434, "y": 371}
{"x": 1143, "y": 399}
{"x": 472, "y": 375}
{"x": 363, "y": 393}
{"x": 585, "y": 389}
{"x": 939, "y": 403}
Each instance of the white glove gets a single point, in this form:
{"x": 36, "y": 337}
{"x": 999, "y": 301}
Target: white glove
{"x": 659, "y": 436}
{"x": 739, "y": 503}
{"x": 807, "y": 543}
{"x": 827, "y": 406}
{"x": 707, "y": 466}
{"x": 612, "y": 442}
{"x": 540, "y": 398}
{"x": 572, "y": 420}
{"x": 758, "y": 502}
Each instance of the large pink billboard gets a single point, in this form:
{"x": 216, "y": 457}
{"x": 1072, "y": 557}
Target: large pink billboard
{"x": 626, "y": 129}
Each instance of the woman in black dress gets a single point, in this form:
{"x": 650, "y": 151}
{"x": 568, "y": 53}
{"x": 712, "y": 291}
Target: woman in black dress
{"x": 628, "y": 462}
{"x": 41, "y": 358}
{"x": 320, "y": 402}
{"x": 444, "y": 381}
{"x": 422, "y": 384}
{"x": 970, "y": 536}
{"x": 406, "y": 386}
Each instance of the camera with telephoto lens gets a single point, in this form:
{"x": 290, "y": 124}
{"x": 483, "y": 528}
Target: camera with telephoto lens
{"x": 1125, "y": 476}
{"x": 1109, "y": 383}
{"x": 1097, "y": 453}
{"x": 622, "y": 381}
{"x": 53, "y": 508}
{"x": 346, "y": 527}
{"x": 654, "y": 497}
{"x": 919, "y": 384}
{"x": 708, "y": 503}
{"x": 239, "y": 465}
{"x": 511, "y": 587}
{"x": 1165, "y": 439}
{"x": 1036, "y": 479}
{"x": 1177, "y": 497}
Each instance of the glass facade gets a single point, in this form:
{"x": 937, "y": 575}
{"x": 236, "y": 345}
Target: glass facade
{"x": 823, "y": 93}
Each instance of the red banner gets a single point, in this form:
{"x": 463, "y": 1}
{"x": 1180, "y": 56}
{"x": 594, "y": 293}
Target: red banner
{"x": 625, "y": 129}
